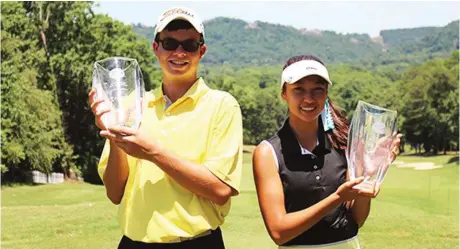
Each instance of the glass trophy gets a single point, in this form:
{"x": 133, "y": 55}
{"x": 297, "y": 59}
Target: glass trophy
{"x": 119, "y": 82}
{"x": 370, "y": 141}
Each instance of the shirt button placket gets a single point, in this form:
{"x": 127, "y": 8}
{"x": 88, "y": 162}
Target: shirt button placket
{"x": 315, "y": 167}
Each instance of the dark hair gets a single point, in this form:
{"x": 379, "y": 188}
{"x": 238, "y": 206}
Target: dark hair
{"x": 339, "y": 135}
{"x": 176, "y": 25}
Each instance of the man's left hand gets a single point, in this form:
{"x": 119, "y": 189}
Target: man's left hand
{"x": 133, "y": 142}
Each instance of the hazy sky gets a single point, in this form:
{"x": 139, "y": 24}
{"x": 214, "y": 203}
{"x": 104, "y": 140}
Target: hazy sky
{"x": 340, "y": 16}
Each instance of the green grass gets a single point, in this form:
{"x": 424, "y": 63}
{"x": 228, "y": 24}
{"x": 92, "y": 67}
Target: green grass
{"x": 415, "y": 209}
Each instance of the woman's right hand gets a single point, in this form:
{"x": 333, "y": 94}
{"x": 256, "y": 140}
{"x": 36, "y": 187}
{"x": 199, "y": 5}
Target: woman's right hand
{"x": 99, "y": 107}
{"x": 346, "y": 192}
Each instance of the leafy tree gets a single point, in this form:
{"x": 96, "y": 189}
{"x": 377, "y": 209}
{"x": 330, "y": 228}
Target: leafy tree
{"x": 49, "y": 48}
{"x": 429, "y": 96}
{"x": 70, "y": 38}
{"x": 31, "y": 119}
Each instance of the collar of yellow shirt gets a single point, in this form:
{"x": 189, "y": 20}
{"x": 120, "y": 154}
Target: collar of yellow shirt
{"x": 198, "y": 89}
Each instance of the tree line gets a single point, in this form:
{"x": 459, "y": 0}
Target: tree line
{"x": 261, "y": 43}
{"x": 48, "y": 50}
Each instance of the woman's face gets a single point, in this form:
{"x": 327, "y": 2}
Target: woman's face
{"x": 306, "y": 97}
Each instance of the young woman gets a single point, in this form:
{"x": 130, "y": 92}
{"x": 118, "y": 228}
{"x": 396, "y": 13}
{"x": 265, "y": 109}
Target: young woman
{"x": 300, "y": 173}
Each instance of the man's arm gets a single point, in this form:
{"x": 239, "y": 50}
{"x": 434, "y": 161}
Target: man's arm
{"x": 192, "y": 176}
{"x": 113, "y": 165}
{"x": 217, "y": 179}
{"x": 116, "y": 173}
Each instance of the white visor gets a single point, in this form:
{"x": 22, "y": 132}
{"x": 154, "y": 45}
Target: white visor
{"x": 301, "y": 69}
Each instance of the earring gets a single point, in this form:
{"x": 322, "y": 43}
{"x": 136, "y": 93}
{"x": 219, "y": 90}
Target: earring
{"x": 326, "y": 117}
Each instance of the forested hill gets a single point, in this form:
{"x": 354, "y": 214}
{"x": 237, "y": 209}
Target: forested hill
{"x": 434, "y": 38}
{"x": 47, "y": 70}
{"x": 236, "y": 42}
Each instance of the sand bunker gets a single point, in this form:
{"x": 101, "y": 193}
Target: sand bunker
{"x": 417, "y": 166}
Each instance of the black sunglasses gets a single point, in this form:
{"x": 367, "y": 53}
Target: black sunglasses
{"x": 172, "y": 44}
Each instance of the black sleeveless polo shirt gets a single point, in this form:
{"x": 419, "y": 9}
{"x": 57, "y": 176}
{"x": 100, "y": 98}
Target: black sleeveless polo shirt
{"x": 308, "y": 179}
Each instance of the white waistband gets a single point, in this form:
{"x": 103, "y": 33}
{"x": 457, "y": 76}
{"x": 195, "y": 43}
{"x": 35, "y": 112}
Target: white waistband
{"x": 351, "y": 243}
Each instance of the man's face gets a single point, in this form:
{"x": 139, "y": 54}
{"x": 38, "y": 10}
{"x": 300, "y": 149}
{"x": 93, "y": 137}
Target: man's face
{"x": 178, "y": 63}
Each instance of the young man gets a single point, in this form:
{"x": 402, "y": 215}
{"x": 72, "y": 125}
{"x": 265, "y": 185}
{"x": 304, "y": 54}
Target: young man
{"x": 174, "y": 176}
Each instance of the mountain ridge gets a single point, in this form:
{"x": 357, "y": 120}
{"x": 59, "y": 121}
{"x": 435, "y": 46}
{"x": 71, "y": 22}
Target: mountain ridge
{"x": 234, "y": 41}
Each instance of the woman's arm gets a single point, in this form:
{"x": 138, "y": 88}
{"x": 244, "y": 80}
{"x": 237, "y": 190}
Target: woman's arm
{"x": 283, "y": 226}
{"x": 361, "y": 206}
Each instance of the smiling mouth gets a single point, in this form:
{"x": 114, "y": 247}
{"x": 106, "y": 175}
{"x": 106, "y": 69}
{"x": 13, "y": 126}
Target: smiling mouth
{"x": 308, "y": 109}
{"x": 178, "y": 63}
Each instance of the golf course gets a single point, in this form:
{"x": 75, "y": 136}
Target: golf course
{"x": 416, "y": 208}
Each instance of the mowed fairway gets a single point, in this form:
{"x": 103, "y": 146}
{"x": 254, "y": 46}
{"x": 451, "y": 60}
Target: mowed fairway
{"x": 415, "y": 209}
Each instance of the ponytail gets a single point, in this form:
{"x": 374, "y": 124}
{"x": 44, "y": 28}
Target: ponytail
{"x": 339, "y": 135}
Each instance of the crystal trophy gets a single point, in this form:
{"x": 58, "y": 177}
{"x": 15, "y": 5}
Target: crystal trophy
{"x": 119, "y": 82}
{"x": 370, "y": 141}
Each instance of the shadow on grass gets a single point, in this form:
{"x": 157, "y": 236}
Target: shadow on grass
{"x": 19, "y": 184}
{"x": 430, "y": 154}
{"x": 453, "y": 159}
{"x": 8, "y": 184}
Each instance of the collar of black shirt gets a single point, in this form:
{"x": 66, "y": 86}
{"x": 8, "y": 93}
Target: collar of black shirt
{"x": 290, "y": 145}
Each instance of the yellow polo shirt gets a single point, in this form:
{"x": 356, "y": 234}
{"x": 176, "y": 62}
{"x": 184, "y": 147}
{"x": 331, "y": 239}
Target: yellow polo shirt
{"x": 203, "y": 126}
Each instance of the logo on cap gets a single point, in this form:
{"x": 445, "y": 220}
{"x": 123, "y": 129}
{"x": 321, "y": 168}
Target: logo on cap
{"x": 176, "y": 11}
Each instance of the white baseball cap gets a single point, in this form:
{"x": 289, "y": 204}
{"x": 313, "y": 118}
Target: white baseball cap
{"x": 303, "y": 68}
{"x": 178, "y": 13}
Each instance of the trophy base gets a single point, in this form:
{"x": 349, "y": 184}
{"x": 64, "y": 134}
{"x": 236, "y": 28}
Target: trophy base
{"x": 368, "y": 185}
